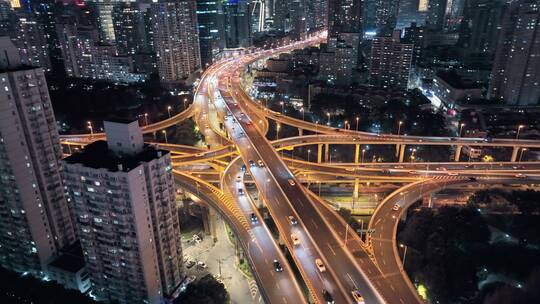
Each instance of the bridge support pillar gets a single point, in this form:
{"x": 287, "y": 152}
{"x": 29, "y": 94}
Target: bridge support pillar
{"x": 319, "y": 153}
{"x": 458, "y": 153}
{"x": 356, "y": 153}
{"x": 514, "y": 154}
{"x": 397, "y": 150}
{"x": 356, "y": 188}
{"x": 326, "y": 152}
{"x": 300, "y": 132}
{"x": 401, "y": 153}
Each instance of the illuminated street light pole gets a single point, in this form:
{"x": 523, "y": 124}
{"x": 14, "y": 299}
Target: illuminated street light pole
{"x": 169, "y": 111}
{"x": 345, "y": 124}
{"x": 185, "y": 100}
{"x": 316, "y": 126}
{"x": 302, "y": 110}
{"x": 521, "y": 154}
{"x": 357, "y": 120}
{"x": 165, "y": 134}
{"x": 91, "y": 128}
{"x": 363, "y": 152}
{"x": 404, "y": 253}
{"x": 399, "y": 127}
{"x": 461, "y": 129}
{"x": 146, "y": 119}
{"x": 328, "y": 114}
{"x": 518, "y": 130}
{"x": 309, "y": 152}
{"x": 282, "y": 106}
{"x": 278, "y": 126}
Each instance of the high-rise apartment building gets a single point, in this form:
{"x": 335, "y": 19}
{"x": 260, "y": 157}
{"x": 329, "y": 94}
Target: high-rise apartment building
{"x": 515, "y": 77}
{"x": 483, "y": 20}
{"x": 130, "y": 31}
{"x": 176, "y": 39}
{"x": 123, "y": 198}
{"x": 390, "y": 61}
{"x": 36, "y": 222}
{"x": 344, "y": 16}
{"x": 211, "y": 29}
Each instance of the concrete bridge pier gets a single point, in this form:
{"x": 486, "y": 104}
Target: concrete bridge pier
{"x": 326, "y": 152}
{"x": 319, "y": 153}
{"x": 458, "y": 153}
{"x": 356, "y": 188}
{"x": 300, "y": 132}
{"x": 401, "y": 153}
{"x": 514, "y": 154}
{"x": 397, "y": 150}
{"x": 356, "y": 153}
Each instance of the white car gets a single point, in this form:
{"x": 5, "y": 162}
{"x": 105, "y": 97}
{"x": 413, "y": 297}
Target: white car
{"x": 291, "y": 182}
{"x": 295, "y": 239}
{"x": 396, "y": 207}
{"x": 320, "y": 265}
{"x": 201, "y": 265}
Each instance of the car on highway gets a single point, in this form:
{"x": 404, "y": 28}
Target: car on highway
{"x": 440, "y": 169}
{"x": 293, "y": 220}
{"x": 520, "y": 175}
{"x": 412, "y": 172}
{"x": 328, "y": 297}
{"x": 291, "y": 182}
{"x": 398, "y": 167}
{"x": 295, "y": 239}
{"x": 453, "y": 173}
{"x": 277, "y": 266}
{"x": 240, "y": 191}
{"x": 190, "y": 264}
{"x": 190, "y": 280}
{"x": 251, "y": 163}
{"x": 242, "y": 114}
{"x": 260, "y": 163}
{"x": 395, "y": 207}
{"x": 248, "y": 123}
{"x": 243, "y": 168}
{"x": 358, "y": 299}
{"x": 254, "y": 219}
{"x": 238, "y": 179}
{"x": 320, "y": 265}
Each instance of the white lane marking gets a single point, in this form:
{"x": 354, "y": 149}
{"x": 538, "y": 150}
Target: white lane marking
{"x": 350, "y": 278}
{"x": 331, "y": 249}
{"x": 313, "y": 221}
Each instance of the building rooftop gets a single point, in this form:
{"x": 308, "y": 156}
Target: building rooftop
{"x": 71, "y": 259}
{"x": 456, "y": 81}
{"x": 97, "y": 155}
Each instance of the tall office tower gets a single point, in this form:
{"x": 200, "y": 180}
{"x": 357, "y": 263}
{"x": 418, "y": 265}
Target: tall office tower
{"x": 320, "y": 11}
{"x": 298, "y": 14}
{"x": 237, "y": 23}
{"x": 176, "y": 39}
{"x": 282, "y": 17}
{"x": 124, "y": 202}
{"x": 337, "y": 64}
{"x": 415, "y": 35}
{"x": 386, "y": 15}
{"x": 435, "y": 14}
{"x": 483, "y": 20}
{"x": 211, "y": 30}
{"x": 454, "y": 14}
{"x": 390, "y": 61}
{"x": 408, "y": 13}
{"x": 515, "y": 77}
{"x": 369, "y": 17}
{"x": 36, "y": 221}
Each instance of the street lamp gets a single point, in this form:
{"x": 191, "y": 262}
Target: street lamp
{"x": 345, "y": 124}
{"x": 521, "y": 154}
{"x": 357, "y": 120}
{"x": 308, "y": 152}
{"x": 165, "y": 134}
{"x": 278, "y": 126}
{"x": 404, "y": 253}
{"x": 328, "y": 114}
{"x": 399, "y": 127}
{"x": 461, "y": 128}
{"x": 169, "y": 110}
{"x": 185, "y": 100}
{"x": 91, "y": 128}
{"x": 282, "y": 106}
{"x": 363, "y": 152}
{"x": 146, "y": 119}
{"x": 302, "y": 110}
{"x": 412, "y": 155}
{"x": 518, "y": 130}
